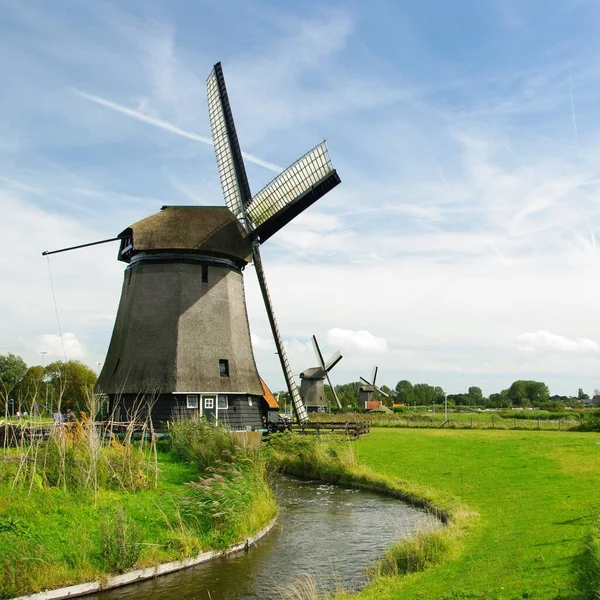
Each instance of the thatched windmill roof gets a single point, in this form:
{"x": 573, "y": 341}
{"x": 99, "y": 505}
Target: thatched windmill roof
{"x": 208, "y": 229}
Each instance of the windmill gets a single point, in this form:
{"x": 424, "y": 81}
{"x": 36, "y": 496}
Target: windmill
{"x": 366, "y": 392}
{"x": 312, "y": 389}
{"x": 181, "y": 333}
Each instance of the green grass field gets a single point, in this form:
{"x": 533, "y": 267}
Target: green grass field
{"x": 538, "y": 497}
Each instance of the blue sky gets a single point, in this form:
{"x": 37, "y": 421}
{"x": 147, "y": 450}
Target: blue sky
{"x": 460, "y": 248}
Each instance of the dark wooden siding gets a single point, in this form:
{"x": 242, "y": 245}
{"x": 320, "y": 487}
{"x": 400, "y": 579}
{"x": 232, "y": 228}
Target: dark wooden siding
{"x": 239, "y": 415}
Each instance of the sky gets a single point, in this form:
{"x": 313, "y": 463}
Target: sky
{"x": 460, "y": 248}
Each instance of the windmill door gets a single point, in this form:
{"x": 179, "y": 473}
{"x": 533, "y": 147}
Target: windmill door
{"x": 209, "y": 407}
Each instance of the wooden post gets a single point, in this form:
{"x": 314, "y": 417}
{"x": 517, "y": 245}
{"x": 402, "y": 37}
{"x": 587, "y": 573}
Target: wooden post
{"x": 539, "y": 424}
{"x": 493, "y": 422}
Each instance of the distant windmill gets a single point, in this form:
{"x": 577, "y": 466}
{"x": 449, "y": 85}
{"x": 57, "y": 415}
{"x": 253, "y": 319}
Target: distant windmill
{"x": 312, "y": 389}
{"x": 366, "y": 392}
{"x": 181, "y": 333}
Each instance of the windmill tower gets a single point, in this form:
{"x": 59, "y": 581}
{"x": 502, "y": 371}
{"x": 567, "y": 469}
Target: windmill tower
{"x": 366, "y": 392}
{"x": 312, "y": 389}
{"x": 181, "y": 334}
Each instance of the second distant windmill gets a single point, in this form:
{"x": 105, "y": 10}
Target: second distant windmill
{"x": 312, "y": 388}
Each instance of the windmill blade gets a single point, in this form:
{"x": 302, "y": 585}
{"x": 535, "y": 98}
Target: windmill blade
{"x": 318, "y": 353}
{"x": 381, "y": 391}
{"x": 232, "y": 172}
{"x": 365, "y": 381}
{"x": 291, "y": 192}
{"x": 374, "y": 376}
{"x": 325, "y": 369}
{"x": 299, "y": 407}
{"x": 333, "y": 390}
{"x": 334, "y": 360}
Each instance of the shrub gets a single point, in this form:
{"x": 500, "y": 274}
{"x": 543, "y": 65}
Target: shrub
{"x": 120, "y": 543}
{"x": 197, "y": 441}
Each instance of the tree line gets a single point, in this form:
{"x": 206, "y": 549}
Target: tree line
{"x": 520, "y": 394}
{"x": 43, "y": 389}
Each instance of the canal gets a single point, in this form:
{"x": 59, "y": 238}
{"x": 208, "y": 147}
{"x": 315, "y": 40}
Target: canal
{"x": 328, "y": 533}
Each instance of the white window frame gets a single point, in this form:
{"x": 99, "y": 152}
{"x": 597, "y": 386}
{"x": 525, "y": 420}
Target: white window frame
{"x": 225, "y": 400}
{"x": 192, "y": 397}
{"x": 249, "y": 401}
{"x": 210, "y": 406}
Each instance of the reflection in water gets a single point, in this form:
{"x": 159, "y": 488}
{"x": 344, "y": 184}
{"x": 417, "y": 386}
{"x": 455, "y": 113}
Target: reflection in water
{"x": 329, "y": 532}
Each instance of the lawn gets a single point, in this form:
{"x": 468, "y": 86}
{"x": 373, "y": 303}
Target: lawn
{"x": 537, "y": 494}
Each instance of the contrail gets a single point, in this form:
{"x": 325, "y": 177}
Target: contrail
{"x": 140, "y": 116}
{"x": 573, "y": 113}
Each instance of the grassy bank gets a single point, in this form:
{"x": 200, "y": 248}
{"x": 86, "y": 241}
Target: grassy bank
{"x": 506, "y": 420}
{"x": 537, "y": 496}
{"x": 335, "y": 462}
{"x": 206, "y": 491}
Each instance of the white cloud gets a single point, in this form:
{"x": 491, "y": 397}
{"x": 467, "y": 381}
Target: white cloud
{"x": 53, "y": 345}
{"x": 357, "y": 341}
{"x": 261, "y": 343}
{"x": 542, "y": 340}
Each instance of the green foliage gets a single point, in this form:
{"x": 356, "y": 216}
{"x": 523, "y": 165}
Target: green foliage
{"x": 348, "y": 394}
{"x": 528, "y": 393}
{"x": 405, "y": 392}
{"x": 416, "y": 554}
{"x": 477, "y": 395}
{"x": 120, "y": 542}
{"x": 12, "y": 371}
{"x": 423, "y": 393}
{"x": 197, "y": 441}
{"x": 72, "y": 382}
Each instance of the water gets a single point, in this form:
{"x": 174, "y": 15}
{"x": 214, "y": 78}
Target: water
{"x": 329, "y": 532}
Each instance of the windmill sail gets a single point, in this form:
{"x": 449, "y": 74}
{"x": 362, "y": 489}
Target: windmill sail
{"x": 232, "y": 172}
{"x": 299, "y": 408}
{"x": 327, "y": 367}
{"x": 291, "y": 192}
{"x": 237, "y": 195}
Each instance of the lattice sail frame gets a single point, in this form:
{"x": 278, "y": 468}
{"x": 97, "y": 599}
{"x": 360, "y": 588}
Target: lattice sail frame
{"x": 295, "y": 181}
{"x": 232, "y": 172}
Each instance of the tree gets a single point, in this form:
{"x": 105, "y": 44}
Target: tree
{"x": 477, "y": 395}
{"x": 405, "y": 393}
{"x": 439, "y": 396}
{"x": 72, "y": 383}
{"x": 581, "y": 395}
{"x": 12, "y": 371}
{"x": 527, "y": 393}
{"x": 500, "y": 400}
{"x": 423, "y": 393}
{"x": 33, "y": 387}
{"x": 348, "y": 393}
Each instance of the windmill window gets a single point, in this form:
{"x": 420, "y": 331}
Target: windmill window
{"x": 222, "y": 403}
{"x": 204, "y": 273}
{"x": 249, "y": 401}
{"x": 209, "y": 402}
{"x": 224, "y": 367}
{"x": 192, "y": 401}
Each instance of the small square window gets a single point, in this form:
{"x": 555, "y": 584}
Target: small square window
{"x": 209, "y": 402}
{"x": 222, "y": 403}
{"x": 192, "y": 401}
{"x": 224, "y": 367}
